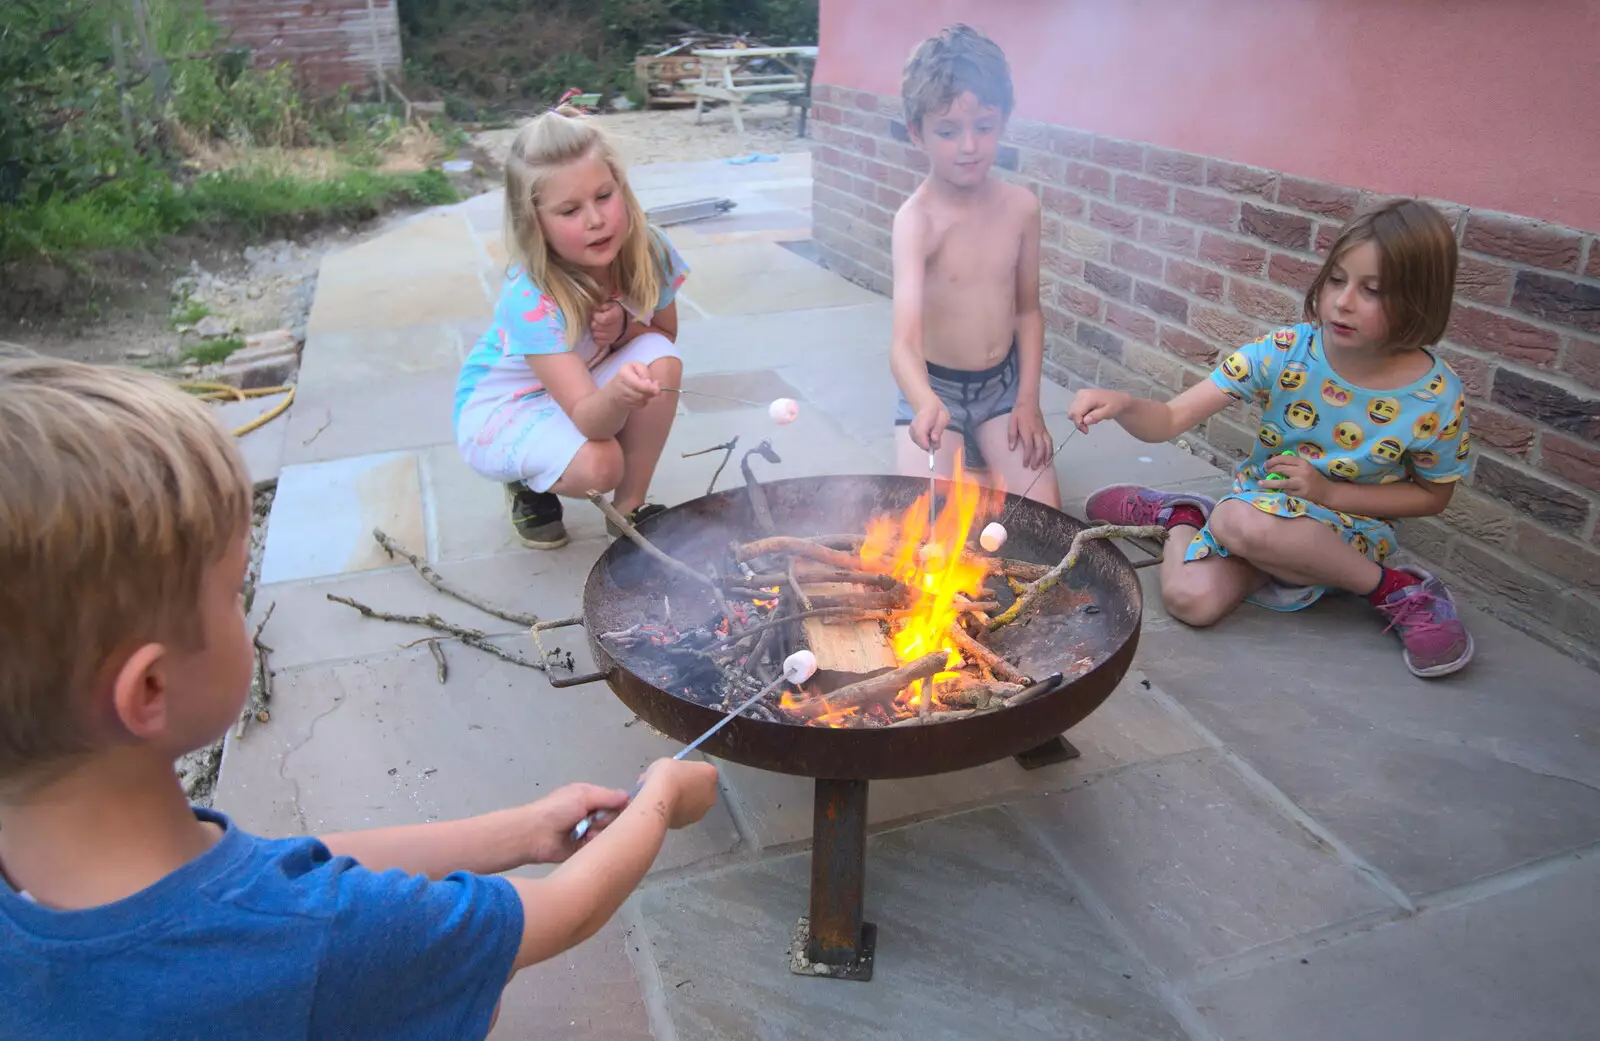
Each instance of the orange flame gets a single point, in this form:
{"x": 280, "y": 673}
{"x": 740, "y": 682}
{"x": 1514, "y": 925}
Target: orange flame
{"x": 933, "y": 565}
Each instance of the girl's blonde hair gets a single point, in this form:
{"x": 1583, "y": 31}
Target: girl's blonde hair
{"x": 543, "y": 145}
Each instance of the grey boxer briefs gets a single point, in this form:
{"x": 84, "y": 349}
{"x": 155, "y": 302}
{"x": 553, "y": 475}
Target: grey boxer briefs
{"x": 973, "y": 398}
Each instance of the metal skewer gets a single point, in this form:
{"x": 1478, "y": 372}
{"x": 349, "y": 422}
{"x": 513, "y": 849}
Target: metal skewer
{"x": 719, "y": 397}
{"x": 1047, "y": 464}
{"x": 931, "y": 461}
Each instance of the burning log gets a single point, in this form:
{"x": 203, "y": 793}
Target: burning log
{"x": 876, "y": 688}
{"x": 977, "y": 695}
{"x": 1049, "y": 579}
{"x": 800, "y": 548}
{"x": 976, "y": 651}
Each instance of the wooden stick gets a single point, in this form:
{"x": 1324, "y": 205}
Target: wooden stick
{"x": 626, "y": 527}
{"x": 996, "y": 664}
{"x": 396, "y": 549}
{"x": 979, "y": 695}
{"x": 800, "y": 548}
{"x": 758, "y": 497}
{"x": 1051, "y": 577}
{"x": 438, "y": 656}
{"x": 726, "y": 448}
{"x": 471, "y": 637}
{"x": 876, "y": 688}
{"x": 941, "y": 717}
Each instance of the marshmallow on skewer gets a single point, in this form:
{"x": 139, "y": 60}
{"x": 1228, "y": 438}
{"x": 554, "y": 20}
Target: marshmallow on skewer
{"x": 993, "y": 536}
{"x": 799, "y": 667}
{"x": 784, "y": 411}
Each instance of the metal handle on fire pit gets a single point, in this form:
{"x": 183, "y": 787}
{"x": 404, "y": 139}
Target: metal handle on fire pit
{"x": 566, "y": 681}
{"x": 577, "y": 680}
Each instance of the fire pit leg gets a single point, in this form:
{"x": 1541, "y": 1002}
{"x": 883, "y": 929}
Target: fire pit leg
{"x": 1056, "y": 750}
{"x": 836, "y": 942}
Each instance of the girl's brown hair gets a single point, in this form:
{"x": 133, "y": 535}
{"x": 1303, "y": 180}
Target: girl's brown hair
{"x": 544, "y": 144}
{"x": 1417, "y": 254}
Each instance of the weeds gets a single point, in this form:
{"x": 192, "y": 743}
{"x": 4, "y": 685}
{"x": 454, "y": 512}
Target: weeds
{"x": 209, "y": 352}
{"x": 189, "y": 312}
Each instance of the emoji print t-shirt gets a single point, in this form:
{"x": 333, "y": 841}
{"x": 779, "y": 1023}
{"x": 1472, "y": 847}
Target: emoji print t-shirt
{"x": 1347, "y": 432}
{"x": 527, "y": 321}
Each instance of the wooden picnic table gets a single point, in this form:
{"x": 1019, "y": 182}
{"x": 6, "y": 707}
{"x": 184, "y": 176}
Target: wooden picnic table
{"x": 725, "y": 76}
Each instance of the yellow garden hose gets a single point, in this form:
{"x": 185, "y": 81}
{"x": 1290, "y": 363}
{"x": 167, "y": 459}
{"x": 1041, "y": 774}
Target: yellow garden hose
{"x": 222, "y": 391}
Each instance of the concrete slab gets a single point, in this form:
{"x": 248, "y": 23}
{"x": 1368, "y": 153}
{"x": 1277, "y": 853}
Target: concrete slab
{"x": 390, "y": 303}
{"x": 381, "y": 742}
{"x": 756, "y": 277}
{"x": 263, "y": 447}
{"x": 586, "y": 994}
{"x": 715, "y": 392}
{"x": 1196, "y": 866}
{"x": 468, "y": 515}
{"x": 1520, "y": 964}
{"x": 841, "y": 341}
{"x": 335, "y": 421}
{"x": 942, "y": 895}
{"x": 324, "y": 513}
{"x": 432, "y": 243}
{"x": 371, "y": 355}
{"x": 1131, "y": 727}
{"x": 307, "y": 627}
{"x": 1436, "y": 782}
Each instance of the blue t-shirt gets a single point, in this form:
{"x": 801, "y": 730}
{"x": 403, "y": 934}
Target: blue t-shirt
{"x": 263, "y": 938}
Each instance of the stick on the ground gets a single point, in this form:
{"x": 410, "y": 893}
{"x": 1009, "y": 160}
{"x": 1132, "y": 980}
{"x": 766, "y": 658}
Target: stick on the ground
{"x": 434, "y": 579}
{"x": 471, "y": 637}
{"x": 727, "y": 448}
{"x": 973, "y": 649}
{"x": 438, "y": 656}
{"x": 1051, "y": 577}
{"x": 875, "y": 688}
{"x": 263, "y": 684}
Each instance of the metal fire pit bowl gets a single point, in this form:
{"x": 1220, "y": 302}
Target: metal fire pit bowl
{"x": 1093, "y": 614}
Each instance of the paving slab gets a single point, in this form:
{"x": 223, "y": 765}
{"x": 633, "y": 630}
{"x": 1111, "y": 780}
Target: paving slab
{"x": 373, "y": 355}
{"x": 335, "y": 421}
{"x": 306, "y": 627}
{"x": 389, "y": 303}
{"x": 715, "y": 392}
{"x": 1435, "y": 782}
{"x": 324, "y": 513}
{"x": 1195, "y": 865}
{"x": 756, "y": 277}
{"x": 1521, "y": 964}
{"x": 381, "y": 742}
{"x": 1131, "y": 727}
{"x": 588, "y": 993}
{"x": 437, "y": 242}
{"x": 978, "y": 937}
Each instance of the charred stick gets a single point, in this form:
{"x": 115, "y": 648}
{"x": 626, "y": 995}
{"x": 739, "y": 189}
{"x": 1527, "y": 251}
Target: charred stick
{"x": 876, "y": 688}
{"x": 794, "y": 584}
{"x": 727, "y": 448}
{"x": 670, "y": 562}
{"x": 758, "y": 497}
{"x": 979, "y": 695}
{"x": 800, "y": 548}
{"x": 978, "y": 652}
{"x": 394, "y": 549}
{"x": 471, "y": 637}
{"x": 1049, "y": 579}
{"x": 438, "y": 656}
{"x": 940, "y": 717}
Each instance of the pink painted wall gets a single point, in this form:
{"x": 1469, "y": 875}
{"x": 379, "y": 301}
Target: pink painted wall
{"x": 1491, "y": 103}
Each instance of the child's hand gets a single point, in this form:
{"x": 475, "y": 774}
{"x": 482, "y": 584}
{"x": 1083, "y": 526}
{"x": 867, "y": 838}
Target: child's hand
{"x": 1094, "y": 405}
{"x": 691, "y": 786}
{"x": 1028, "y": 430}
{"x": 633, "y": 386}
{"x": 607, "y": 323}
{"x": 927, "y": 429}
{"x": 552, "y": 818}
{"x": 1300, "y": 479}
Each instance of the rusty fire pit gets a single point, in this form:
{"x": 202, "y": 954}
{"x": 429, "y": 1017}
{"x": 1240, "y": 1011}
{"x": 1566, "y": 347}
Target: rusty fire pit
{"x": 1086, "y": 628}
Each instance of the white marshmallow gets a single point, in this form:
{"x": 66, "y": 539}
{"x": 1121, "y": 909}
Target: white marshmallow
{"x": 993, "y": 536}
{"x": 784, "y": 411}
{"x": 799, "y": 666}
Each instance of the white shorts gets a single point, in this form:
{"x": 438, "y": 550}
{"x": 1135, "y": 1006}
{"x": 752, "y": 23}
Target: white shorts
{"x": 532, "y": 440}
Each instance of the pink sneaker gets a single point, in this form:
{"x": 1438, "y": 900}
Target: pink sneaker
{"x": 1436, "y": 643}
{"x": 1135, "y": 504}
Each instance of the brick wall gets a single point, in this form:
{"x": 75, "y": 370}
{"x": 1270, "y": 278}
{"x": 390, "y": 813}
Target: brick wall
{"x": 328, "y": 42}
{"x": 1154, "y": 261}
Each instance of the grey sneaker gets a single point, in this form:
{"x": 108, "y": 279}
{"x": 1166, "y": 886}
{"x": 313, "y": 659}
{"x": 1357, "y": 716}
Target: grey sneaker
{"x": 536, "y": 517}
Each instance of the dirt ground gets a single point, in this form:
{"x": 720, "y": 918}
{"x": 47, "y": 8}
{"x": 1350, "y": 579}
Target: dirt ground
{"x": 673, "y": 136}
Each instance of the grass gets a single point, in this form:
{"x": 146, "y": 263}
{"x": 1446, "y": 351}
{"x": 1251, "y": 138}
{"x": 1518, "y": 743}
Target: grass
{"x": 209, "y": 352}
{"x": 135, "y": 215}
{"x": 189, "y": 313}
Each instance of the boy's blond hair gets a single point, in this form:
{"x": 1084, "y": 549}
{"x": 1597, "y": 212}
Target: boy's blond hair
{"x": 943, "y": 67}
{"x": 543, "y": 145}
{"x": 117, "y": 492}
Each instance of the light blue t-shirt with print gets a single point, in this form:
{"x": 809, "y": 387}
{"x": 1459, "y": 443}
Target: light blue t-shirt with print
{"x": 263, "y": 938}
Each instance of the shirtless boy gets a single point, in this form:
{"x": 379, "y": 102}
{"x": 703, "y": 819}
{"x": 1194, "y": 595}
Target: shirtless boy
{"x": 968, "y": 349}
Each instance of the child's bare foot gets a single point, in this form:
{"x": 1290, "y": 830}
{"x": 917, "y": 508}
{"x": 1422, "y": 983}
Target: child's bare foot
{"x": 1424, "y": 616}
{"x": 1134, "y": 504}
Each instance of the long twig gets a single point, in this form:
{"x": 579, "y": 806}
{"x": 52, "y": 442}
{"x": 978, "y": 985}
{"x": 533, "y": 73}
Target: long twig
{"x": 434, "y": 579}
{"x": 1053, "y": 576}
{"x": 874, "y": 688}
{"x": 626, "y": 527}
{"x": 263, "y": 684}
{"x": 726, "y": 448}
{"x": 438, "y": 656}
{"x": 471, "y": 637}
{"x": 973, "y": 649}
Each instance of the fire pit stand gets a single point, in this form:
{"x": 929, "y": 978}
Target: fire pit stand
{"x": 837, "y": 942}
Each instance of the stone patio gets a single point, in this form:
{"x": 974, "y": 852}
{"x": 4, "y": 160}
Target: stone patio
{"x": 1274, "y": 831}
